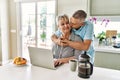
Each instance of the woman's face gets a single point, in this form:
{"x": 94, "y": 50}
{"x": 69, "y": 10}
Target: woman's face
{"x": 64, "y": 26}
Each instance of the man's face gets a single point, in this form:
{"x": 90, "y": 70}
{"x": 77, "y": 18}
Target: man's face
{"x": 76, "y": 23}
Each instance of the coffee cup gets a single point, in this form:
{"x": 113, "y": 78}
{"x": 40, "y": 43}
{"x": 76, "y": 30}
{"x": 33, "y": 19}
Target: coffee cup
{"x": 73, "y": 64}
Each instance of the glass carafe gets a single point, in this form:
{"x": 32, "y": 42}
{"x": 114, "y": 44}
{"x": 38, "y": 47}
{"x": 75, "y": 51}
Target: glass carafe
{"x": 85, "y": 67}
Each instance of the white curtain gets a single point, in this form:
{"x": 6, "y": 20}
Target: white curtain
{"x": 30, "y": 0}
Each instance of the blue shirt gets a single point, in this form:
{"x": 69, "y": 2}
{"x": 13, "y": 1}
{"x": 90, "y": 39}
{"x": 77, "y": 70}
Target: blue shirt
{"x": 86, "y": 32}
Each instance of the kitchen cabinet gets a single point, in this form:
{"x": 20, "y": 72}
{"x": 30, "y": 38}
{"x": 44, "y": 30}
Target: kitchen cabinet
{"x": 105, "y": 8}
{"x": 65, "y": 7}
{"x": 107, "y": 57}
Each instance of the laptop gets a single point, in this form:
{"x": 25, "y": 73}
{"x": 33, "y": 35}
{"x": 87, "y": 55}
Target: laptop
{"x": 41, "y": 57}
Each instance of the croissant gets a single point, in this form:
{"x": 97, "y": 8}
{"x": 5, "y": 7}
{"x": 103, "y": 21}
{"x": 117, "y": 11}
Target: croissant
{"x": 19, "y": 61}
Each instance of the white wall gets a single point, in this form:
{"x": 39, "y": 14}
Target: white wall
{"x": 4, "y": 30}
{"x": 0, "y": 38}
{"x": 0, "y": 49}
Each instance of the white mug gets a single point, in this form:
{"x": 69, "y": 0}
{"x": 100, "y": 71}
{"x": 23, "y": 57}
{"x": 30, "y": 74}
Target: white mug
{"x": 73, "y": 64}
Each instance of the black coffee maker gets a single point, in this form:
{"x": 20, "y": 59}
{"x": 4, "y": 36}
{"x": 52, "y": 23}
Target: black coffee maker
{"x": 85, "y": 67}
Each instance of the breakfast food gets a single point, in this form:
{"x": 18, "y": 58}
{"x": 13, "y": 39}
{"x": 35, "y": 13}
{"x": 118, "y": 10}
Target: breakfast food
{"x": 19, "y": 61}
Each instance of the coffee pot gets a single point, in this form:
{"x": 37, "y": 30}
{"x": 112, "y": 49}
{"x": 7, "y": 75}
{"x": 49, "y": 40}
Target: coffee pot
{"x": 85, "y": 67}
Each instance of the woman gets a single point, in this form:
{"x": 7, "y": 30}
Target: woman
{"x": 64, "y": 54}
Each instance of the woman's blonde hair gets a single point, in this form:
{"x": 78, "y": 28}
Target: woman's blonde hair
{"x": 60, "y": 17}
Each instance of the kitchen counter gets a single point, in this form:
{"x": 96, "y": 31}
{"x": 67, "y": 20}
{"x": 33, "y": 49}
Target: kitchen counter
{"x": 108, "y": 49}
{"x": 29, "y": 72}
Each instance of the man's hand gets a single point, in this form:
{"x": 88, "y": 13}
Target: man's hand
{"x": 59, "y": 41}
{"x": 62, "y": 42}
{"x": 65, "y": 42}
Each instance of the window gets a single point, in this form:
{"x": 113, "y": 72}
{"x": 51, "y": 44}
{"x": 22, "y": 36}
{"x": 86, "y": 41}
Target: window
{"x": 37, "y": 24}
{"x": 105, "y": 23}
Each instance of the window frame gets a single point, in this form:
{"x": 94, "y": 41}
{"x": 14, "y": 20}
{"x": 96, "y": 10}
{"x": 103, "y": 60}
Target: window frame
{"x": 19, "y": 28}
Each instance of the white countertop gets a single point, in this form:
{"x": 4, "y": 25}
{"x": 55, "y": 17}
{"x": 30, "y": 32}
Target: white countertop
{"x": 109, "y": 49}
{"x": 12, "y": 72}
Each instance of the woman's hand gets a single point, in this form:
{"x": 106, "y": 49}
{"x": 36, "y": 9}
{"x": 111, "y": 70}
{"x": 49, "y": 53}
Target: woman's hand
{"x": 58, "y": 62}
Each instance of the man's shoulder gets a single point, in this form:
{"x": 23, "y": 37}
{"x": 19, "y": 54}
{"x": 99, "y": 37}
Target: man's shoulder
{"x": 88, "y": 23}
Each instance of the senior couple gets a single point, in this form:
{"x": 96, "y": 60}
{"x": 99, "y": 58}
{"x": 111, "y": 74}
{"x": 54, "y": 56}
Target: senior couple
{"x": 73, "y": 38}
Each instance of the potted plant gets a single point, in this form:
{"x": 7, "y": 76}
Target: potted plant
{"x": 101, "y": 36}
{"x": 43, "y": 36}
{"x": 118, "y": 35}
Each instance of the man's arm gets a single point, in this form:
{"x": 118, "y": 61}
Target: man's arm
{"x": 54, "y": 38}
{"x": 57, "y": 40}
{"x": 79, "y": 45}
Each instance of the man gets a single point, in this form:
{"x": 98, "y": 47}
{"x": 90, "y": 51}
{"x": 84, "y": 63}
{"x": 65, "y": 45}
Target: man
{"x": 82, "y": 28}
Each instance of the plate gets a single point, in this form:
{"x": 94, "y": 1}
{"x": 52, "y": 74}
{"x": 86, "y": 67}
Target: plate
{"x": 20, "y": 65}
